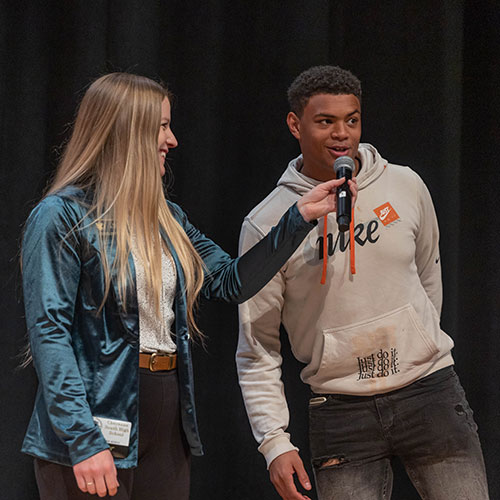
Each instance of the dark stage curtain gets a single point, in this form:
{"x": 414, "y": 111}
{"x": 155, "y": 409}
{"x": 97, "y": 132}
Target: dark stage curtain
{"x": 430, "y": 78}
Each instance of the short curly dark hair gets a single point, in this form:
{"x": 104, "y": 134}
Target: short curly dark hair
{"x": 321, "y": 80}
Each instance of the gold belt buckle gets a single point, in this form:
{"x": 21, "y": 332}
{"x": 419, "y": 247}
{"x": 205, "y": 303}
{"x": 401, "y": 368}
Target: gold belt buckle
{"x": 152, "y": 361}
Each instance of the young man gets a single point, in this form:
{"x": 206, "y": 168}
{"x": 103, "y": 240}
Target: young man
{"x": 378, "y": 364}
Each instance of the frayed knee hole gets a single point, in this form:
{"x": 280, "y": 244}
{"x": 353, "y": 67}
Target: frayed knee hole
{"x": 332, "y": 462}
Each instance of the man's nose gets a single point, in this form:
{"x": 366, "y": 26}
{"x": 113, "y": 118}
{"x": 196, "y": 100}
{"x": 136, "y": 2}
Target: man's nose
{"x": 339, "y": 131}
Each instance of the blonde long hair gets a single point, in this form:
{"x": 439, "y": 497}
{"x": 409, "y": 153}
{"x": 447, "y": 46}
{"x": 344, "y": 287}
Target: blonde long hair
{"x": 113, "y": 154}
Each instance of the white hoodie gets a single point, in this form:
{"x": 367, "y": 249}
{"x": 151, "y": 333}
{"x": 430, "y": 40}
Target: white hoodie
{"x": 363, "y": 334}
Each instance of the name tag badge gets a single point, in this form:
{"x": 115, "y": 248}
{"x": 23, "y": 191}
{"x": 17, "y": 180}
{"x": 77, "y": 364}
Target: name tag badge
{"x": 116, "y": 433}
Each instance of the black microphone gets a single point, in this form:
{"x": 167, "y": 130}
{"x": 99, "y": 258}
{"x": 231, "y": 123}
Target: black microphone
{"x": 344, "y": 166}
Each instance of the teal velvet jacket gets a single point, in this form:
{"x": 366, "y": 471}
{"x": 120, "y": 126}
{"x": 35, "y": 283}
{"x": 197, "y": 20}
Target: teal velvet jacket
{"x": 87, "y": 361}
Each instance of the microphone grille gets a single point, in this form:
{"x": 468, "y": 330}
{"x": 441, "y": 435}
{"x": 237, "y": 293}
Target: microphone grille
{"x": 343, "y": 162}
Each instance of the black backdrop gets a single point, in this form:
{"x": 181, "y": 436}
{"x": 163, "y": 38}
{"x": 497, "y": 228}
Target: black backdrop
{"x": 430, "y": 75}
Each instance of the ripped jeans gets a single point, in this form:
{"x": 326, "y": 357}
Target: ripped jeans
{"x": 428, "y": 425}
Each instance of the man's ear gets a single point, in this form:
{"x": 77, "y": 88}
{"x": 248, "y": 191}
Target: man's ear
{"x": 293, "y": 122}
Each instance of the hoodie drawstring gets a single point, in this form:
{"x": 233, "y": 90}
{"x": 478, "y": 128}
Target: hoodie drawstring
{"x": 352, "y": 253}
{"x": 352, "y": 243}
{"x": 325, "y": 248}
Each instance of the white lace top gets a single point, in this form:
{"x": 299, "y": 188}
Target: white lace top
{"x": 154, "y": 334}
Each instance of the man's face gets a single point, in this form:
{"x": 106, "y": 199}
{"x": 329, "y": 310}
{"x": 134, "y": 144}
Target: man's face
{"x": 330, "y": 127}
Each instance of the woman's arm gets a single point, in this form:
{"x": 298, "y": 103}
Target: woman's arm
{"x": 236, "y": 280}
{"x": 51, "y": 275}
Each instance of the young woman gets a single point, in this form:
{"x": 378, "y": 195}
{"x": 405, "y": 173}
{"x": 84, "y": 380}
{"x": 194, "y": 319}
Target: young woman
{"x": 105, "y": 256}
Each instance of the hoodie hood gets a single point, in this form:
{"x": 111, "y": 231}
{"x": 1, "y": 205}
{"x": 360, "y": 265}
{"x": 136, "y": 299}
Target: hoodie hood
{"x": 372, "y": 166}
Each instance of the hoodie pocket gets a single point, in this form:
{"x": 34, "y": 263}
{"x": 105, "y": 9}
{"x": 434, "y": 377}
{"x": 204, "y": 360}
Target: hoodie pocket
{"x": 372, "y": 356}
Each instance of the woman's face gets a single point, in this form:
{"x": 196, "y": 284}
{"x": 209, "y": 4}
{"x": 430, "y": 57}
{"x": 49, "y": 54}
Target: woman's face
{"x": 166, "y": 138}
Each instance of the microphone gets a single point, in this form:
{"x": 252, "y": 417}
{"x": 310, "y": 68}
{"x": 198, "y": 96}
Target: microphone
{"x": 344, "y": 167}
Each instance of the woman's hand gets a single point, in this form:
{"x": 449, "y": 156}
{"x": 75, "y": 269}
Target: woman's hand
{"x": 321, "y": 200}
{"x": 97, "y": 474}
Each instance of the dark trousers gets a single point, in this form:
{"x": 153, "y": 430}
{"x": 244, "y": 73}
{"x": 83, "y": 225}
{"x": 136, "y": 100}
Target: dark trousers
{"x": 428, "y": 425}
{"x": 163, "y": 469}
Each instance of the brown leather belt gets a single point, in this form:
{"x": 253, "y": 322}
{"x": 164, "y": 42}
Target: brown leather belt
{"x": 157, "y": 362}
